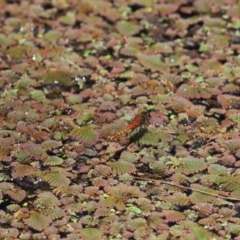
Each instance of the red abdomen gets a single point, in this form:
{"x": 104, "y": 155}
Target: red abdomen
{"x": 139, "y": 120}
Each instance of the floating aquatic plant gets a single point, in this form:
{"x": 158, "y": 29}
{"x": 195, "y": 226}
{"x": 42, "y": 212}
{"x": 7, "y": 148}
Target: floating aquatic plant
{"x": 228, "y": 101}
{"x": 191, "y": 165}
{"x": 65, "y": 88}
{"x": 200, "y": 197}
{"x": 58, "y": 77}
{"x": 16, "y": 194}
{"x": 178, "y": 198}
{"x": 173, "y": 216}
{"x": 53, "y": 161}
{"x": 128, "y": 28}
{"x": 153, "y": 62}
{"x": 119, "y": 195}
{"x": 121, "y": 167}
{"x": 37, "y": 221}
{"x": 56, "y": 177}
{"x": 22, "y": 170}
{"x": 87, "y": 134}
{"x": 195, "y": 90}
{"x": 90, "y": 233}
{"x": 51, "y": 144}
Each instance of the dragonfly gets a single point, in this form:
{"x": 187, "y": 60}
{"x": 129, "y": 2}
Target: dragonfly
{"x": 140, "y": 120}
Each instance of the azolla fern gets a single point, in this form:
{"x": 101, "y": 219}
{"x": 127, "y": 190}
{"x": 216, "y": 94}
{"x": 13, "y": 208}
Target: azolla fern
{"x": 86, "y": 134}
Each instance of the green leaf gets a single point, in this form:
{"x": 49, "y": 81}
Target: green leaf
{"x": 152, "y": 62}
{"x": 191, "y": 67}
{"x": 56, "y": 177}
{"x": 133, "y": 209}
{"x": 53, "y": 161}
{"x": 128, "y": 28}
{"x": 37, "y": 221}
{"x": 86, "y": 134}
{"x": 190, "y": 165}
{"x": 91, "y": 233}
{"x": 121, "y": 167}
